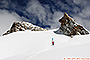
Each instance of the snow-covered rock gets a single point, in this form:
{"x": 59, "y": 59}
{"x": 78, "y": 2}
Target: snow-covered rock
{"x": 22, "y": 26}
{"x": 69, "y": 26}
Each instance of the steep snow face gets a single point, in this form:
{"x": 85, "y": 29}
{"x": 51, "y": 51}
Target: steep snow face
{"x": 70, "y": 27}
{"x": 22, "y": 26}
{"x": 37, "y": 45}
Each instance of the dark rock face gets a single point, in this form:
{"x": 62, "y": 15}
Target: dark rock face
{"x": 22, "y": 26}
{"x": 69, "y": 27}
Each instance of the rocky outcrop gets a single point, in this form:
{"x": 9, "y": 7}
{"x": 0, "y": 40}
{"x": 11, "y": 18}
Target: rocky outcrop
{"x": 22, "y": 26}
{"x": 69, "y": 27}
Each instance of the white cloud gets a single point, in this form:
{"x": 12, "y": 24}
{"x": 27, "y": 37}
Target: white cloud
{"x": 56, "y": 16}
{"x": 35, "y": 7}
{"x": 44, "y": 14}
{"x": 83, "y": 17}
{"x": 81, "y": 8}
{"x": 6, "y": 19}
{"x": 85, "y": 13}
{"x": 4, "y": 3}
{"x": 46, "y": 17}
{"x": 76, "y": 1}
{"x": 84, "y": 22}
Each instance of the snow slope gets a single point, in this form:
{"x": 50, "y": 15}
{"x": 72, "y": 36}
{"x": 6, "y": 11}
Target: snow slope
{"x": 36, "y": 45}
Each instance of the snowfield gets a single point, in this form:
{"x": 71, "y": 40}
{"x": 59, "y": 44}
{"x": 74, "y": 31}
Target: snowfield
{"x": 36, "y": 45}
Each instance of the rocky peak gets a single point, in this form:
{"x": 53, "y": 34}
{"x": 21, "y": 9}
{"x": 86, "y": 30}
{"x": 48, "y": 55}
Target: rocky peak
{"x": 69, "y": 26}
{"x": 22, "y": 26}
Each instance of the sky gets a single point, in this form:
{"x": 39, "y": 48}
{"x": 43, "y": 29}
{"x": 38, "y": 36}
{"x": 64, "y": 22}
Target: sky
{"x": 6, "y": 19}
{"x": 43, "y": 13}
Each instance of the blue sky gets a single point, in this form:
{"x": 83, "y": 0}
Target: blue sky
{"x": 44, "y": 13}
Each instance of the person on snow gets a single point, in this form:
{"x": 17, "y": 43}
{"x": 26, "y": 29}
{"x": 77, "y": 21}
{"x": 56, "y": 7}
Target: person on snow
{"x": 52, "y": 42}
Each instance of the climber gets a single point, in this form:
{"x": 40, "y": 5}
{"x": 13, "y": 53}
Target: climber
{"x": 52, "y": 42}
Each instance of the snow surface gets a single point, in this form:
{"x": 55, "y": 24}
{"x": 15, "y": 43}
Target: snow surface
{"x": 36, "y": 45}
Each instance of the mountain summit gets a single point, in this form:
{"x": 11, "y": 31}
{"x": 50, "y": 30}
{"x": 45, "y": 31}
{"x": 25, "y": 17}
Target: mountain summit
{"x": 22, "y": 26}
{"x": 69, "y": 26}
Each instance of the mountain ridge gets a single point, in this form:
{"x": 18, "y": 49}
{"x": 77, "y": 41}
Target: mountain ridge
{"x": 68, "y": 27}
{"x": 22, "y": 26}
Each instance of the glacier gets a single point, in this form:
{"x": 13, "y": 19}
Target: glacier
{"x": 36, "y": 45}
